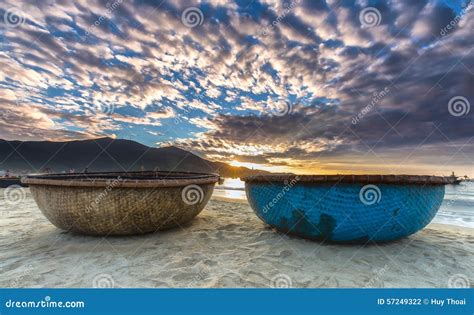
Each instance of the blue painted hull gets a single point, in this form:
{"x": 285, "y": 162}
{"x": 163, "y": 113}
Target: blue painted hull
{"x": 342, "y": 213}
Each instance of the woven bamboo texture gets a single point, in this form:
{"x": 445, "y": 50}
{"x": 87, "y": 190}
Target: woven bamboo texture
{"x": 116, "y": 207}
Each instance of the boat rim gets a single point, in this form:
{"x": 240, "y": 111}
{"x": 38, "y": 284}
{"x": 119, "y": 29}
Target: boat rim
{"x": 350, "y": 179}
{"x": 142, "y": 179}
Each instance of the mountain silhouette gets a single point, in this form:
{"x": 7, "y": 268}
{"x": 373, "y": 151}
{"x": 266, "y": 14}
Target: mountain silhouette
{"x": 105, "y": 154}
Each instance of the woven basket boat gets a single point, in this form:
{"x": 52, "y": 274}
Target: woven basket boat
{"x": 346, "y": 208}
{"x": 121, "y": 203}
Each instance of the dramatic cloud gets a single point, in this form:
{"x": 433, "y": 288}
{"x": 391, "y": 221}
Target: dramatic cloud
{"x": 321, "y": 85}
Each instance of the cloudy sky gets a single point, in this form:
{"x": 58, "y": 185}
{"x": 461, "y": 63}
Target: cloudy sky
{"x": 305, "y": 86}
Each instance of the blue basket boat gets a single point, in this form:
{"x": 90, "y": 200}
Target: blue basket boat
{"x": 346, "y": 208}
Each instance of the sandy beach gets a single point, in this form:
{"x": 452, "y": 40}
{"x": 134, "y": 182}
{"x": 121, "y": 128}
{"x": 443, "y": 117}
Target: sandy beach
{"x": 225, "y": 246}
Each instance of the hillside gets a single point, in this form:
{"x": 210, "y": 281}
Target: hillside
{"x": 105, "y": 154}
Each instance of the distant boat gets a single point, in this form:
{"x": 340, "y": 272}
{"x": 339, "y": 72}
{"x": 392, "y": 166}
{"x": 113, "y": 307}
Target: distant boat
{"x": 11, "y": 180}
{"x": 455, "y": 180}
{"x": 6, "y": 180}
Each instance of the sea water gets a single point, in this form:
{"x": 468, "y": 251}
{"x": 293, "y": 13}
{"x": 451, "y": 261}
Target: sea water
{"x": 458, "y": 205}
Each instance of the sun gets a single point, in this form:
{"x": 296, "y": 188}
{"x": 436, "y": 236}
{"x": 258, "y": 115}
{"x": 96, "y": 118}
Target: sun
{"x": 255, "y": 166}
{"x": 245, "y": 164}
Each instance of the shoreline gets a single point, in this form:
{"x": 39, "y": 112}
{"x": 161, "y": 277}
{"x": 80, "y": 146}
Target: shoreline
{"x": 450, "y": 228}
{"x": 229, "y": 200}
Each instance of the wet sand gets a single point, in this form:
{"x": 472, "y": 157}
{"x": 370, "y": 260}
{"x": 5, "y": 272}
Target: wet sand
{"x": 225, "y": 246}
